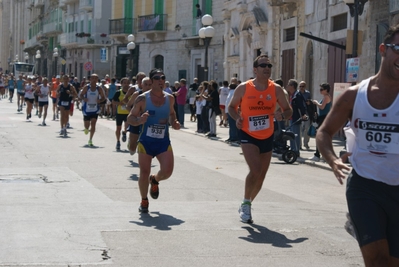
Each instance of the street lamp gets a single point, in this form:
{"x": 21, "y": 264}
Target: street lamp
{"x": 131, "y": 46}
{"x": 55, "y": 56}
{"x": 356, "y": 9}
{"x": 206, "y": 33}
{"x": 26, "y": 57}
{"x": 38, "y": 57}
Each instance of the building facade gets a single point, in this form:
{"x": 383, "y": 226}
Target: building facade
{"x": 304, "y": 39}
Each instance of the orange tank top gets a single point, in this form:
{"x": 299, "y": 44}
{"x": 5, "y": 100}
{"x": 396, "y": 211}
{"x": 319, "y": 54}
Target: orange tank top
{"x": 54, "y": 90}
{"x": 257, "y": 108}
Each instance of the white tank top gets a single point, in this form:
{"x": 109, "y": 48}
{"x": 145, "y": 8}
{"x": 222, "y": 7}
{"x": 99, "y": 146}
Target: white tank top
{"x": 29, "y": 91}
{"x": 376, "y": 149}
{"x": 43, "y": 96}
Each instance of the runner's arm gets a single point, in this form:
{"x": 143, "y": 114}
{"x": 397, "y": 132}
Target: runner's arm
{"x": 336, "y": 118}
{"x": 235, "y": 103}
{"x": 172, "y": 115}
{"x": 134, "y": 118}
{"x": 284, "y": 105}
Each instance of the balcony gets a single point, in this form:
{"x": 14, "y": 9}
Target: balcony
{"x": 31, "y": 44}
{"x": 39, "y": 3}
{"x": 120, "y": 27}
{"x": 152, "y": 23}
{"x": 69, "y": 39}
{"x": 282, "y": 2}
{"x": 68, "y": 2}
{"x": 94, "y": 40}
{"x": 52, "y": 23}
{"x": 86, "y": 5}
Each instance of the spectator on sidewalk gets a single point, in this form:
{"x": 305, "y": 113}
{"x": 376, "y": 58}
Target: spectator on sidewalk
{"x": 205, "y": 110}
{"x": 305, "y": 125}
{"x": 324, "y": 108}
{"x": 233, "y": 131}
{"x": 200, "y": 103}
{"x": 181, "y": 96}
{"x": 223, "y": 93}
{"x": 298, "y": 112}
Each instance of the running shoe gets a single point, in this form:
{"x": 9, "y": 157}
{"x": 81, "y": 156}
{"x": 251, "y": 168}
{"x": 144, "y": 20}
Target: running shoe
{"x": 143, "y": 208}
{"x": 154, "y": 189}
{"x": 90, "y": 143}
{"x": 62, "y": 132}
{"x": 123, "y": 136}
{"x": 57, "y": 116}
{"x": 54, "y": 117}
{"x": 44, "y": 124}
{"x": 68, "y": 125}
{"x": 118, "y": 145}
{"x": 245, "y": 212}
{"x": 86, "y": 131}
{"x": 40, "y": 115}
{"x": 65, "y": 133}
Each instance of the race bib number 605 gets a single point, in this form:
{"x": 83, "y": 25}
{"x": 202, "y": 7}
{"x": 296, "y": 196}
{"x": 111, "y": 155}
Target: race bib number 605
{"x": 379, "y": 137}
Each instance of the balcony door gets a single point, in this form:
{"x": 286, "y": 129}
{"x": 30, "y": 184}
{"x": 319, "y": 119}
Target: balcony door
{"x": 128, "y": 16}
{"x": 159, "y": 10}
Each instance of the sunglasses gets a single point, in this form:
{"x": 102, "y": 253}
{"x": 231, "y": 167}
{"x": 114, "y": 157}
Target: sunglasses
{"x": 264, "y": 65}
{"x": 159, "y": 77}
{"x": 301, "y": 86}
{"x": 395, "y": 47}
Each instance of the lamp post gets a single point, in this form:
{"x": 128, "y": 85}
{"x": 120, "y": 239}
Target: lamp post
{"x": 356, "y": 9}
{"x": 55, "y": 56}
{"x": 38, "y": 57}
{"x": 206, "y": 33}
{"x": 131, "y": 46}
{"x": 26, "y": 57}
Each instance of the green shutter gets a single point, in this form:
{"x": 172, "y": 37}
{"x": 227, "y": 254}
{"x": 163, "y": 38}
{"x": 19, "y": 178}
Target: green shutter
{"x": 128, "y": 9}
{"x": 89, "y": 26}
{"x": 207, "y": 9}
{"x": 159, "y": 10}
{"x": 128, "y": 19}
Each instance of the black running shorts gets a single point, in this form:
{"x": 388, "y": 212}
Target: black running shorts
{"x": 374, "y": 210}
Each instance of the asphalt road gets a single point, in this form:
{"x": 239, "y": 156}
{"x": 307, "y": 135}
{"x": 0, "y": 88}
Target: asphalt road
{"x": 66, "y": 204}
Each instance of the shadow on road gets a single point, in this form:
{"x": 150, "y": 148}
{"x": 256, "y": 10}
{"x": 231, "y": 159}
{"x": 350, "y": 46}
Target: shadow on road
{"x": 261, "y": 235}
{"x": 161, "y": 222}
{"x": 134, "y": 177}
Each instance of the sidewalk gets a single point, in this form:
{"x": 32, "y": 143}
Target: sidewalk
{"x": 223, "y": 134}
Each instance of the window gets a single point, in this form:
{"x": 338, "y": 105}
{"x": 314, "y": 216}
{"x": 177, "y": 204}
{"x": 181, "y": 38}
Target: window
{"x": 289, "y": 34}
{"x": 158, "y": 62}
{"x": 339, "y": 22}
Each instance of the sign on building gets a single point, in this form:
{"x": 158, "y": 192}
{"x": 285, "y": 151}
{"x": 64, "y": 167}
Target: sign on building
{"x": 352, "y": 69}
{"x": 103, "y": 55}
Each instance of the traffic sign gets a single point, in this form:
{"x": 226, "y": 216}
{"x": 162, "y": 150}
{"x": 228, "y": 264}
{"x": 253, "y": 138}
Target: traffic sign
{"x": 88, "y": 66}
{"x": 63, "y": 61}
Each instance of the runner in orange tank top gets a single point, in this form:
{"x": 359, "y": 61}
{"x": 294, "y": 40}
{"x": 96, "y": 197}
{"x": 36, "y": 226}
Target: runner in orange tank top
{"x": 257, "y": 100}
{"x": 257, "y": 110}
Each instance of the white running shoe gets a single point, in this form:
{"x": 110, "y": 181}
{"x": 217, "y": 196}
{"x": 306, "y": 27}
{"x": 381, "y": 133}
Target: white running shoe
{"x": 314, "y": 158}
{"x": 245, "y": 212}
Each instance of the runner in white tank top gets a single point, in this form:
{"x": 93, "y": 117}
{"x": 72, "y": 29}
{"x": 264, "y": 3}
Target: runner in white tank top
{"x": 373, "y": 185}
{"x": 43, "y": 91}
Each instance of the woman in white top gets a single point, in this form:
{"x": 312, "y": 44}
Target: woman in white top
{"x": 43, "y": 91}
{"x": 29, "y": 97}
